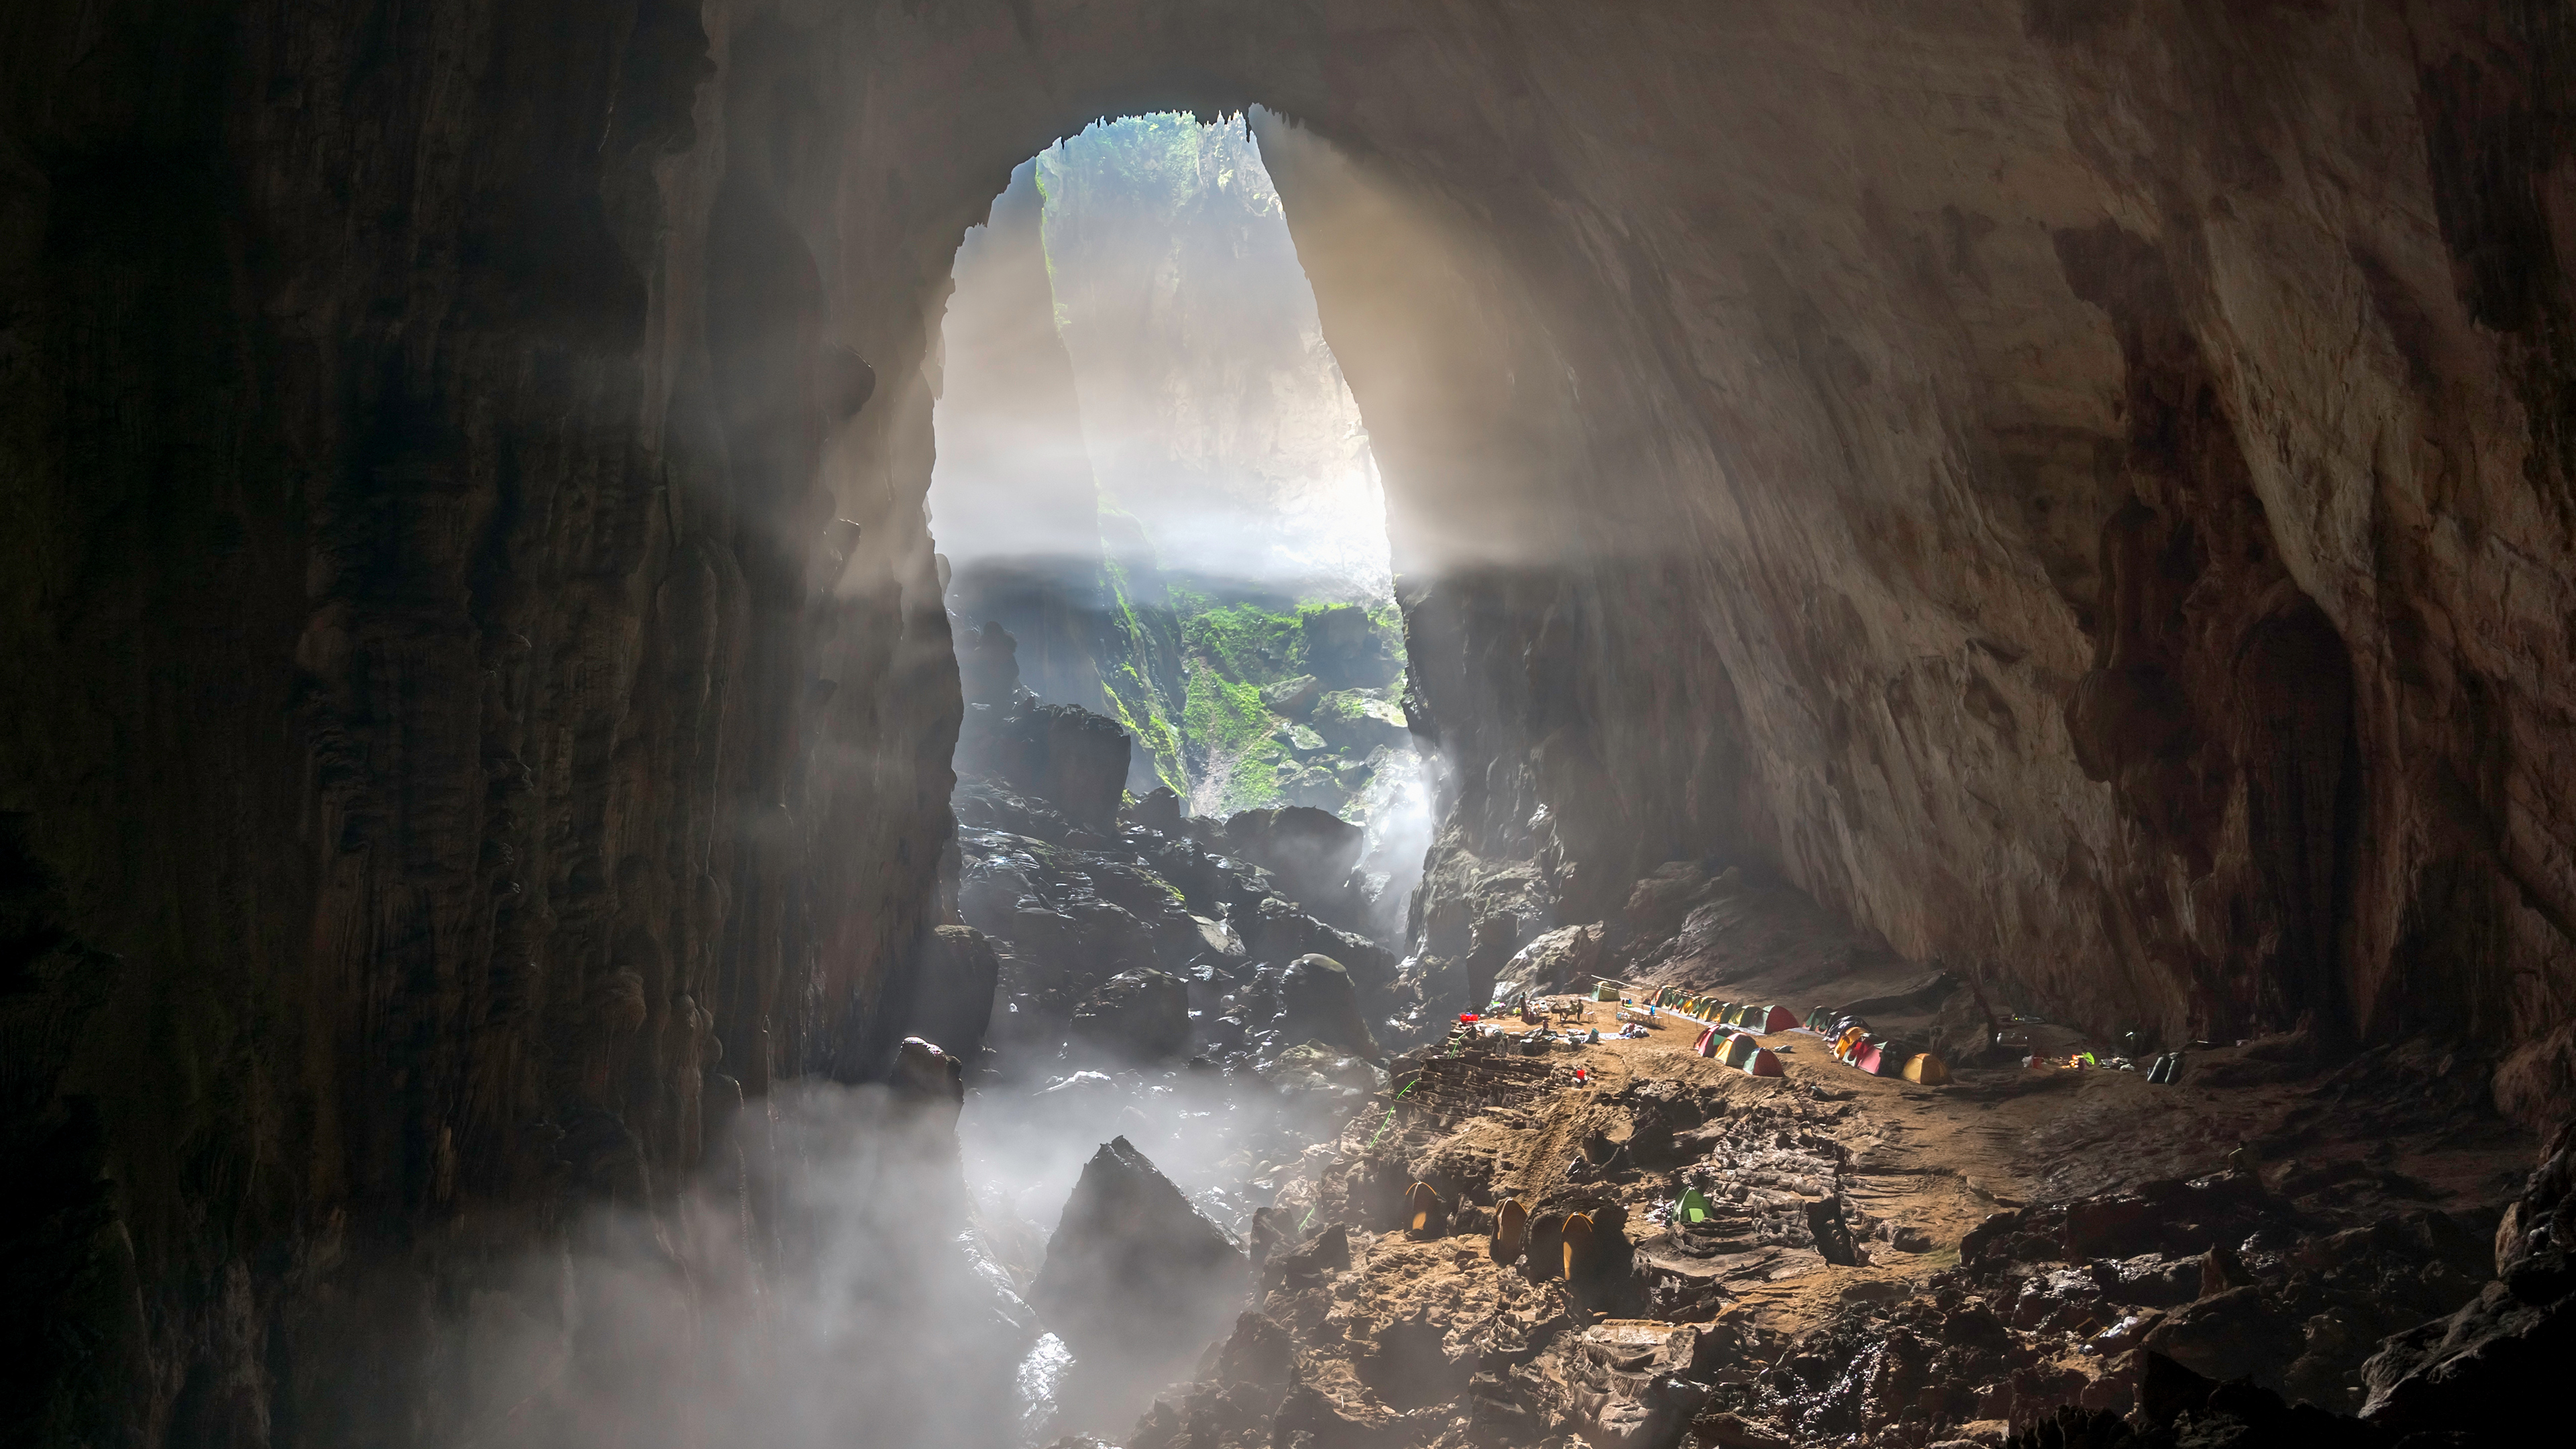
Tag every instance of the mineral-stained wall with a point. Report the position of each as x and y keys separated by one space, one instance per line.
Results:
x=2082 y=486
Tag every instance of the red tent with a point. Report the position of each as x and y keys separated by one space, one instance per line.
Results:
x=1707 y=1044
x=1763 y=1063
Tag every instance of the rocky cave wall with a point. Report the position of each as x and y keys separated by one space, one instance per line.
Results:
x=2080 y=485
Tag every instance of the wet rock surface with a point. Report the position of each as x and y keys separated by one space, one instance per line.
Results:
x=1069 y=910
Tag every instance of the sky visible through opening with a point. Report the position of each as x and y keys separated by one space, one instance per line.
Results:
x=1140 y=277
x=1151 y=473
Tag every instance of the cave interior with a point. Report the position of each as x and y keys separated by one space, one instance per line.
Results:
x=2078 y=496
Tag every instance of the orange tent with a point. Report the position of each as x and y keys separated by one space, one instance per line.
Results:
x=1421 y=1204
x=1511 y=1223
x=1578 y=1244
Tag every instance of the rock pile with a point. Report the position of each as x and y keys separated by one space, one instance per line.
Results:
x=1146 y=947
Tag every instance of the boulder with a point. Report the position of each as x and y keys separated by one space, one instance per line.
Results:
x=1553 y=962
x=952 y=990
x=1133 y=1271
x=1072 y=758
x=1139 y=1016
x=1290 y=698
x=923 y=1073
x=1156 y=809
x=1352 y=719
x=1311 y=851
x=1344 y=643
x=2236 y=1334
x=1317 y=1002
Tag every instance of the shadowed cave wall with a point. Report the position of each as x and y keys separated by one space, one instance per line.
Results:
x=2081 y=486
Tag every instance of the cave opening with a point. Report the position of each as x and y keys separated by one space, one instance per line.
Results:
x=1152 y=475
x=1164 y=553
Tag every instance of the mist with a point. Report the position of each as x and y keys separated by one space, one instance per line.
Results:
x=822 y=1282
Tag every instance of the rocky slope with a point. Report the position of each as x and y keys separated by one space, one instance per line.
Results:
x=2080 y=487
x=1878 y=1263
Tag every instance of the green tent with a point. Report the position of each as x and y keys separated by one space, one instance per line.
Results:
x=1691 y=1208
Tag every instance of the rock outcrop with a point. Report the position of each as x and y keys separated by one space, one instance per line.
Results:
x=2460 y=1370
x=1133 y=1272
x=1072 y=758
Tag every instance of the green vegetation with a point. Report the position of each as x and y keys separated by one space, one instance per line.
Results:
x=1186 y=661
x=1225 y=748
x=1229 y=735
x=1133 y=683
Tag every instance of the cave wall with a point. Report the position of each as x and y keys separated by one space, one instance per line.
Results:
x=2047 y=527
x=2081 y=486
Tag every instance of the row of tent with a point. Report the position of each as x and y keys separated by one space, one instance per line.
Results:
x=1745 y=1015
x=1580 y=1240
x=1855 y=1045
x=1736 y=1023
x=1735 y=1046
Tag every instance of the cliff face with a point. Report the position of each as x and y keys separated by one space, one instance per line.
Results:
x=2082 y=487
x=1013 y=502
x=1215 y=414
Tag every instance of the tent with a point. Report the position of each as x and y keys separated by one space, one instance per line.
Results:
x=1692 y=1208
x=1927 y=1069
x=1740 y=1049
x=1605 y=992
x=1578 y=1244
x=1421 y=1204
x=1707 y=1044
x=1849 y=1043
x=1892 y=1057
x=1511 y=1225
x=1775 y=1019
x=1867 y=1058
x=1761 y=1062
x=1821 y=1020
